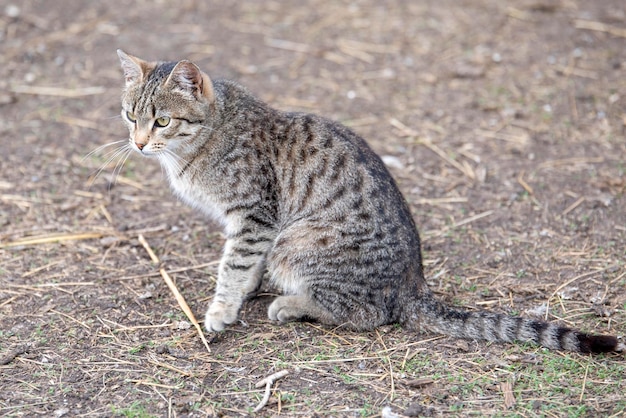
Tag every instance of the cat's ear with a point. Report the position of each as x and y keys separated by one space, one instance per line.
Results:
x=134 y=68
x=187 y=76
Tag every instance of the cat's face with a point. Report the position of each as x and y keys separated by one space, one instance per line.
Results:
x=164 y=105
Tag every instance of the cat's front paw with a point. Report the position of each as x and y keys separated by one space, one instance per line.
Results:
x=219 y=315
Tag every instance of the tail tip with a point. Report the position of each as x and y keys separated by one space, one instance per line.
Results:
x=600 y=344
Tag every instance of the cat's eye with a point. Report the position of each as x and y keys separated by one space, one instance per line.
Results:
x=162 y=122
x=131 y=117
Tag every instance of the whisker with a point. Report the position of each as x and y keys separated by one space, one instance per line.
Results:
x=120 y=165
x=181 y=163
x=119 y=151
x=170 y=159
x=110 y=153
x=101 y=147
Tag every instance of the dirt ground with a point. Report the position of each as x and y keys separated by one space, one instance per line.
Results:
x=503 y=123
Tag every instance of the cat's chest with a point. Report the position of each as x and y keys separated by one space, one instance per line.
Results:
x=195 y=194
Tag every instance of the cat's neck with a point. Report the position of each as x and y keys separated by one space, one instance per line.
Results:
x=187 y=181
x=234 y=121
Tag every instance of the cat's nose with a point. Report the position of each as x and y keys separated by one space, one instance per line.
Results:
x=140 y=145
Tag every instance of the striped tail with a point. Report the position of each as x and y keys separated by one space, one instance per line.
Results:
x=435 y=316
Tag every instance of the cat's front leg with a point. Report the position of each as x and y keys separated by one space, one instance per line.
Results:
x=240 y=273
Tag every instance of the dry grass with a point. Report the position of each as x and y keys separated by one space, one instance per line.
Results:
x=506 y=128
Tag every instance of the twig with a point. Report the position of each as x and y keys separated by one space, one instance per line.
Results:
x=404 y=130
x=83 y=123
x=582 y=390
x=71 y=318
x=409 y=132
x=178 y=270
x=392 y=383
x=287 y=45
x=46 y=239
x=509 y=397
x=599 y=27
x=522 y=182
x=335 y=360
x=57 y=91
x=503 y=136
x=369 y=47
x=430 y=234
x=441 y=200
x=567 y=283
x=154 y=384
x=38 y=269
x=573 y=206
x=148 y=249
x=121 y=327
x=568 y=162
x=466 y=170
x=170 y=283
x=167 y=366
x=268 y=382
x=472 y=219
x=56 y=285
x=6 y=302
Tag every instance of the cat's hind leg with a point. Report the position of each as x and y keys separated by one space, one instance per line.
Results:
x=360 y=317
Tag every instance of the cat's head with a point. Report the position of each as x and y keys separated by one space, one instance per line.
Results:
x=165 y=104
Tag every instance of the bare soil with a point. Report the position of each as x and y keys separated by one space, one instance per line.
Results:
x=503 y=122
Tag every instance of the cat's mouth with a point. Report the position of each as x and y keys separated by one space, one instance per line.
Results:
x=144 y=148
x=141 y=149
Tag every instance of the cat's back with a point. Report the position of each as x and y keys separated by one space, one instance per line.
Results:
x=328 y=166
x=319 y=170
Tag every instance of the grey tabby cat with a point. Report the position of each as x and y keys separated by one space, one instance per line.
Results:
x=305 y=199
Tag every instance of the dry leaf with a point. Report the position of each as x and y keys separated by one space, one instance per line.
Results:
x=507 y=391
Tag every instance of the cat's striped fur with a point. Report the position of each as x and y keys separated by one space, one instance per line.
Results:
x=306 y=200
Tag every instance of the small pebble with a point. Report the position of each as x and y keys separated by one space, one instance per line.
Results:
x=12 y=11
x=393 y=162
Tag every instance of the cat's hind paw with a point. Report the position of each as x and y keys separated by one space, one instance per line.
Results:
x=219 y=315
x=296 y=308
x=283 y=309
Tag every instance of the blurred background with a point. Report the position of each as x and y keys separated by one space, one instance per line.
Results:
x=503 y=122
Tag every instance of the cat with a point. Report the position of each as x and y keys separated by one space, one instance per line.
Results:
x=306 y=201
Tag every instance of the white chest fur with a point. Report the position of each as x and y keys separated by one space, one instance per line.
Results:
x=189 y=189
